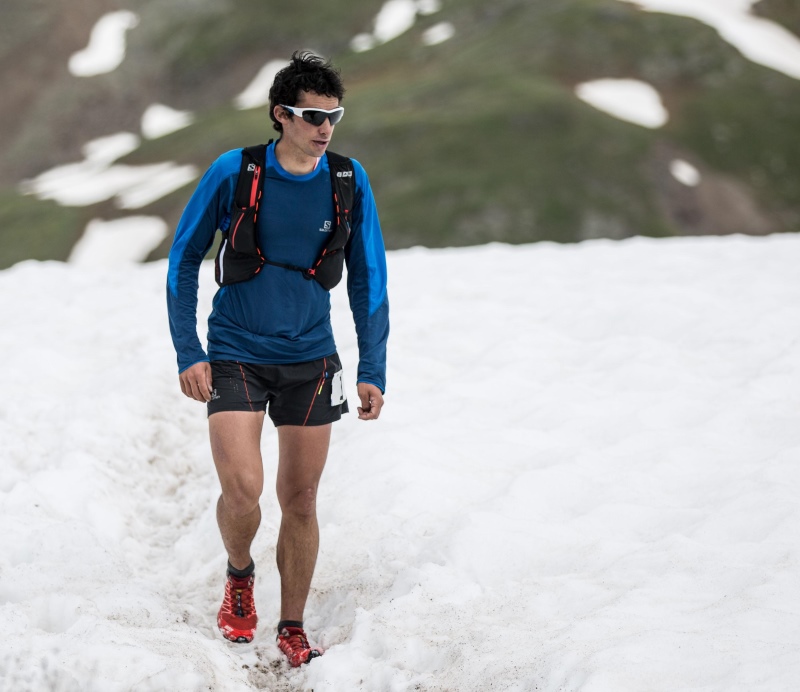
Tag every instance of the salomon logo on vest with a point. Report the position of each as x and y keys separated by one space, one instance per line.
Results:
x=344 y=174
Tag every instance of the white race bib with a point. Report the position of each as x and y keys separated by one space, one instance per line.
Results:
x=338 y=396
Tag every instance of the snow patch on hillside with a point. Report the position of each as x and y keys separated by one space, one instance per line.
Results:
x=97 y=178
x=121 y=241
x=160 y=120
x=684 y=172
x=438 y=33
x=394 y=19
x=106 y=49
x=760 y=40
x=627 y=99
x=256 y=93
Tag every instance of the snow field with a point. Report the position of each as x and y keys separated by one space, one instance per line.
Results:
x=585 y=478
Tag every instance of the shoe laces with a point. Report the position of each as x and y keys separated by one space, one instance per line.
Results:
x=295 y=638
x=241 y=592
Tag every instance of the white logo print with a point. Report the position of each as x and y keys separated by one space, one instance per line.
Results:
x=326 y=227
x=344 y=174
x=251 y=167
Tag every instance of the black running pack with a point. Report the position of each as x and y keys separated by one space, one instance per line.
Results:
x=240 y=258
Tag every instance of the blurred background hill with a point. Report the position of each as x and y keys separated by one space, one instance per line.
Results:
x=467 y=120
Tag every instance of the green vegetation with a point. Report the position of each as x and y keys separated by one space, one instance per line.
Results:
x=786 y=12
x=481 y=138
x=220 y=34
x=31 y=229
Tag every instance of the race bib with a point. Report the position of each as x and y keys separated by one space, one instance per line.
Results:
x=337 y=389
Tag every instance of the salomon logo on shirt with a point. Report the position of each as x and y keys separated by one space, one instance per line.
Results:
x=326 y=227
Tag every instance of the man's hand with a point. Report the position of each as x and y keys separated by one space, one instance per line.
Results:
x=196 y=381
x=371 y=401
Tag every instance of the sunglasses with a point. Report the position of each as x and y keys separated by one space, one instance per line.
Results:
x=316 y=116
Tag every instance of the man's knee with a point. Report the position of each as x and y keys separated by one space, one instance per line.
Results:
x=300 y=503
x=241 y=494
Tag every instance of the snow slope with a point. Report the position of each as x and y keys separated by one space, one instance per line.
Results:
x=585 y=478
x=761 y=40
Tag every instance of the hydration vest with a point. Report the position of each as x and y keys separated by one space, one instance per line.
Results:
x=240 y=258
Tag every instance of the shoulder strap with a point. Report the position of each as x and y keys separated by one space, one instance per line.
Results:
x=246 y=200
x=239 y=258
x=344 y=188
x=251 y=178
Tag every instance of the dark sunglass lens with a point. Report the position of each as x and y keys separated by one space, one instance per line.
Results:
x=336 y=117
x=316 y=118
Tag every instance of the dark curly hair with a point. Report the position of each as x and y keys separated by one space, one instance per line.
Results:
x=305 y=72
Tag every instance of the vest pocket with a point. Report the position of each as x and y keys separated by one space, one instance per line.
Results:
x=242 y=233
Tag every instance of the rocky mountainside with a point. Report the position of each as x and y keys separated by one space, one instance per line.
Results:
x=467 y=121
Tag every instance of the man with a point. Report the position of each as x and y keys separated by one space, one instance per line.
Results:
x=270 y=342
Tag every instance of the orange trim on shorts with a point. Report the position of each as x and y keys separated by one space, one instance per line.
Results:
x=246 y=391
x=317 y=389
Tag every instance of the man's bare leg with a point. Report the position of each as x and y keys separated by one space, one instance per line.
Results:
x=301 y=459
x=236 y=448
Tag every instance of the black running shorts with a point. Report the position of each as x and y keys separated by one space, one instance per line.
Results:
x=297 y=393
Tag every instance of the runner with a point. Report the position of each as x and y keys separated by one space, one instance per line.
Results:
x=270 y=342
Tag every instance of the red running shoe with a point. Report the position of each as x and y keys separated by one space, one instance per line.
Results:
x=292 y=641
x=237 y=619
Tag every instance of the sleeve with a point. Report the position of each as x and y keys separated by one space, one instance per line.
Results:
x=366 y=283
x=204 y=214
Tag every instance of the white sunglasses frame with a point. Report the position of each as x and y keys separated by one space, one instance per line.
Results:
x=299 y=112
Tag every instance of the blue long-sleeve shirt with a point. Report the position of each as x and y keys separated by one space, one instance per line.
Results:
x=279 y=316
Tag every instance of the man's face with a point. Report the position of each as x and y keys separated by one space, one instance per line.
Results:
x=303 y=137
